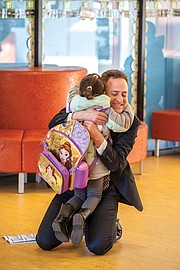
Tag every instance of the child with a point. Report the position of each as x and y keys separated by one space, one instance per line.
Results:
x=91 y=92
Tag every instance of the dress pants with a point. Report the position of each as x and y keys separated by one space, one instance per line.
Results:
x=100 y=230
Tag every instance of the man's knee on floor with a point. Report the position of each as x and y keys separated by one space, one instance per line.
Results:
x=99 y=248
x=43 y=243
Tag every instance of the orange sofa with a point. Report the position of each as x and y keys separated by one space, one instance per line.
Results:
x=29 y=98
x=139 y=151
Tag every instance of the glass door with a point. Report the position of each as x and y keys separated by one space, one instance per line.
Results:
x=97 y=35
x=162 y=60
x=16 y=33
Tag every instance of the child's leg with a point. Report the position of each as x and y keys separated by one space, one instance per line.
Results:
x=60 y=224
x=79 y=197
x=94 y=193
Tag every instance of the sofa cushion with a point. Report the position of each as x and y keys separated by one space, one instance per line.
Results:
x=10 y=149
x=166 y=125
x=31 y=148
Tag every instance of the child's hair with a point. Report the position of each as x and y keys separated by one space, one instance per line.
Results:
x=52 y=169
x=91 y=86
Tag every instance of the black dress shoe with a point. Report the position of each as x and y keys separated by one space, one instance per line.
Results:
x=119 y=230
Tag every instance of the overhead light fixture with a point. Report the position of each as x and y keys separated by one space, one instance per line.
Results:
x=87 y=13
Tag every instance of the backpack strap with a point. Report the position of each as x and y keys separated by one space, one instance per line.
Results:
x=91 y=167
x=44 y=144
x=104 y=109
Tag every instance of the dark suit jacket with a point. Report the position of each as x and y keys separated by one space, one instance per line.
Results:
x=114 y=158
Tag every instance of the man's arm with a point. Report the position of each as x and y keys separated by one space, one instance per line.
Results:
x=114 y=156
x=91 y=114
x=59 y=118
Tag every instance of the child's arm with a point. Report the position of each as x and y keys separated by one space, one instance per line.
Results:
x=120 y=122
x=79 y=103
x=72 y=93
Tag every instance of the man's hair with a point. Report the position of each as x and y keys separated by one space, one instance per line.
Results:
x=113 y=73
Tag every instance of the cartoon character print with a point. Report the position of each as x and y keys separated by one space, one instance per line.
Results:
x=53 y=141
x=50 y=171
x=65 y=155
x=57 y=142
x=41 y=170
x=67 y=127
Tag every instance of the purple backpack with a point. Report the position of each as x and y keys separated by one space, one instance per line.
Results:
x=63 y=164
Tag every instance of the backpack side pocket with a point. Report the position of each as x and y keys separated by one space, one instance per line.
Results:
x=81 y=175
x=53 y=172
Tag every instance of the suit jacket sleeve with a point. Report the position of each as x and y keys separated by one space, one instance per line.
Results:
x=59 y=118
x=115 y=159
x=115 y=154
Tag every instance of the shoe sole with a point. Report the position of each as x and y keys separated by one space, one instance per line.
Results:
x=78 y=229
x=58 y=233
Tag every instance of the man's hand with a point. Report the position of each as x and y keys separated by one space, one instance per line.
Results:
x=94 y=132
x=92 y=114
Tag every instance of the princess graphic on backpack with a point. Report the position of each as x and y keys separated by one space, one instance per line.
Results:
x=50 y=171
x=65 y=155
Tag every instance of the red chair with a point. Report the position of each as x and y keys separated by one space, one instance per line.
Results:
x=165 y=126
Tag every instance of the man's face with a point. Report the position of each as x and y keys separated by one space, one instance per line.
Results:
x=117 y=90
